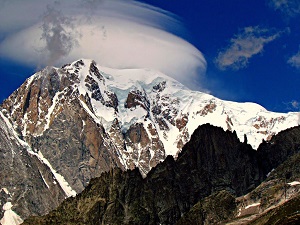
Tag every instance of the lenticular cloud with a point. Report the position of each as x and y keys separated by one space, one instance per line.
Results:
x=117 y=34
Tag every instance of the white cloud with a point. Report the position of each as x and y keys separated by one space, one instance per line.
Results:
x=295 y=60
x=118 y=34
x=243 y=46
x=290 y=8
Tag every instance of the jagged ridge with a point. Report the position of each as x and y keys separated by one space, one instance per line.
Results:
x=212 y=161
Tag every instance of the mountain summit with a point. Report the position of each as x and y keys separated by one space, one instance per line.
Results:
x=83 y=119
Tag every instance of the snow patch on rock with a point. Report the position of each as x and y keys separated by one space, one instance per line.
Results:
x=10 y=217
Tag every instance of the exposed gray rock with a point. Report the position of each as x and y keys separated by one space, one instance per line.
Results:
x=25 y=180
x=77 y=147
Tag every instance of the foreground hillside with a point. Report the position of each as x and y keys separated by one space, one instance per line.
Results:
x=213 y=169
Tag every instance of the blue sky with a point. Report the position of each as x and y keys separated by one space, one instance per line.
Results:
x=236 y=49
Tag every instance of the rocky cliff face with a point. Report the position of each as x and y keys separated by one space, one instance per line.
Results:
x=26 y=181
x=278 y=149
x=83 y=119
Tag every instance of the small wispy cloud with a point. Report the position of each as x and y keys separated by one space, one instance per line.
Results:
x=295 y=60
x=249 y=42
x=293 y=105
x=289 y=8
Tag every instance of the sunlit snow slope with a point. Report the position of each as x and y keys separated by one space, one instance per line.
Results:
x=180 y=109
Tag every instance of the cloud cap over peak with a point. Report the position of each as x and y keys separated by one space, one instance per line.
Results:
x=117 y=34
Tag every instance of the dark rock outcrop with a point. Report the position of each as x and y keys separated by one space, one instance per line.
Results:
x=137 y=98
x=212 y=169
x=286 y=214
x=275 y=197
x=274 y=152
x=212 y=161
x=217 y=207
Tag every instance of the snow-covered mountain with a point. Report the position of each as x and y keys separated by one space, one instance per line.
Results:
x=82 y=119
x=145 y=114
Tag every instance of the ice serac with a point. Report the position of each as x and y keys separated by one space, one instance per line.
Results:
x=85 y=118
